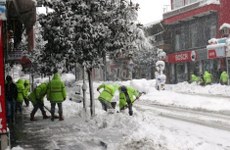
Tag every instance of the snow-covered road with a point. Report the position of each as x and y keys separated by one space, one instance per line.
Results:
x=203 y=117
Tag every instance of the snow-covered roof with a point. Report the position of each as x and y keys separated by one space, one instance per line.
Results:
x=212 y=40
x=208 y=2
x=152 y=23
x=214 y=46
x=225 y=25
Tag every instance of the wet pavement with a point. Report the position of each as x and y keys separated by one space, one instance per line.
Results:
x=27 y=140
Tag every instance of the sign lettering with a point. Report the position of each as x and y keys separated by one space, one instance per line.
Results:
x=218 y=52
x=185 y=56
x=181 y=57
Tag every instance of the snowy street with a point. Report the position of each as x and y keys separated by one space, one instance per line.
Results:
x=211 y=119
x=162 y=120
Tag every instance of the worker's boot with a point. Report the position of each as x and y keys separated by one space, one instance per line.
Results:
x=45 y=116
x=52 y=116
x=32 y=117
x=61 y=117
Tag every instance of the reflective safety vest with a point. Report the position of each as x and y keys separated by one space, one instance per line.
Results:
x=207 y=77
x=56 y=91
x=38 y=93
x=108 y=92
x=132 y=93
x=21 y=91
x=224 y=77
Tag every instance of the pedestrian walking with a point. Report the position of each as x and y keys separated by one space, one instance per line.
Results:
x=56 y=94
x=11 y=94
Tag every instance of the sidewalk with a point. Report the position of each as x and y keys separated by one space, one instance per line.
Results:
x=20 y=135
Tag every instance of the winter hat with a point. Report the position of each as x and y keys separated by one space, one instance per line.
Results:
x=123 y=88
x=8 y=78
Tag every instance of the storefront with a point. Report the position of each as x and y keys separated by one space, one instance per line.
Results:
x=217 y=51
x=182 y=64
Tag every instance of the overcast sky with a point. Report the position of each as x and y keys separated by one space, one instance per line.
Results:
x=151 y=10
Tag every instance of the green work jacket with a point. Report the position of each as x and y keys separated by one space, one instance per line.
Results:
x=56 y=91
x=21 y=91
x=38 y=93
x=132 y=93
x=107 y=93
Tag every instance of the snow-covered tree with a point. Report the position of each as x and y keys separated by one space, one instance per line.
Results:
x=84 y=31
x=39 y=64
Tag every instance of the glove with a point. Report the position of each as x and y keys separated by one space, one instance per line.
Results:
x=97 y=89
x=64 y=99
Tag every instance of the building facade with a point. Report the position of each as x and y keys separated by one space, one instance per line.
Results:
x=187 y=29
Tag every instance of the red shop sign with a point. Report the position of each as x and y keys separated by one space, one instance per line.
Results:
x=216 y=53
x=186 y=56
x=211 y=54
x=3 y=127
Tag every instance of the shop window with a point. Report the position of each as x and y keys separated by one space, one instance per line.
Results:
x=181 y=75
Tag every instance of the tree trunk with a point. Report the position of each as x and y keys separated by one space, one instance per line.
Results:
x=84 y=90
x=92 y=102
x=75 y=69
x=104 y=68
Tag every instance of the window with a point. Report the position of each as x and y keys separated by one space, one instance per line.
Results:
x=193 y=1
x=181 y=72
x=194 y=34
x=177 y=42
x=180 y=3
x=212 y=31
